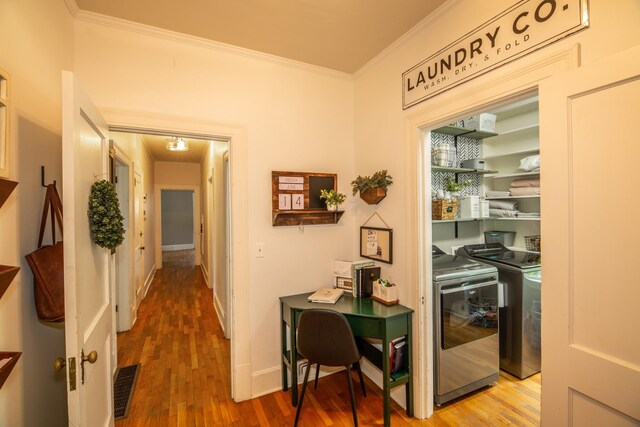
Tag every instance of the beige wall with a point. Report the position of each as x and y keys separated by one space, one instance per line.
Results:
x=296 y=118
x=175 y=173
x=37 y=43
x=132 y=146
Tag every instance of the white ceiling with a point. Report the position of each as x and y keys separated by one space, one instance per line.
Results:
x=341 y=35
x=156 y=145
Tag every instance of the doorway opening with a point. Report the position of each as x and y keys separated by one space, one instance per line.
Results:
x=483 y=181
x=179 y=213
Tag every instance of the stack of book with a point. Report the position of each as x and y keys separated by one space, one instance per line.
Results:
x=397 y=355
x=346 y=275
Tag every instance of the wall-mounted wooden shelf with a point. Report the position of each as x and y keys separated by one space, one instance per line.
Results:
x=6 y=188
x=6 y=369
x=306 y=217
x=295 y=198
x=7 y=273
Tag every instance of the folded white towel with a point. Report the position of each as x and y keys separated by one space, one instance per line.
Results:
x=525 y=182
x=502 y=213
x=503 y=204
x=530 y=163
x=528 y=214
x=492 y=193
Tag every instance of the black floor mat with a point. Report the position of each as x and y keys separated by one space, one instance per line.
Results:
x=123 y=390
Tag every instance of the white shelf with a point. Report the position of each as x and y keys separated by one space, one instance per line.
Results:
x=513 y=153
x=514 y=175
x=512 y=197
x=443 y=221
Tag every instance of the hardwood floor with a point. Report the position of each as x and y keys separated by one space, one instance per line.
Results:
x=184 y=376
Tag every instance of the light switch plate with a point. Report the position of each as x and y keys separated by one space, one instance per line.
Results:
x=260 y=250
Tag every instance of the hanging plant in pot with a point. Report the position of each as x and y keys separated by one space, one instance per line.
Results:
x=372 y=188
x=332 y=198
x=105 y=219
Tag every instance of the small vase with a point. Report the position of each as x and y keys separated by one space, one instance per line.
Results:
x=332 y=207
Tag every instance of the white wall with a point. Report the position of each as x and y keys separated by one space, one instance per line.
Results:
x=37 y=44
x=132 y=146
x=381 y=124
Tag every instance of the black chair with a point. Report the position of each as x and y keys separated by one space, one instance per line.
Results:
x=325 y=338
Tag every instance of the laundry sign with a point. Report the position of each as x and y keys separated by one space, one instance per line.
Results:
x=524 y=27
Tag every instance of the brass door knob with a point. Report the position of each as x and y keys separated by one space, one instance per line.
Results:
x=91 y=357
x=59 y=364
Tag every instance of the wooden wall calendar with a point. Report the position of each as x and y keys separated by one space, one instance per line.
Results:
x=296 y=198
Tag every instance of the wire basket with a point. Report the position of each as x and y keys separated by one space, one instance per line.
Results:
x=444 y=209
x=532 y=243
x=344 y=283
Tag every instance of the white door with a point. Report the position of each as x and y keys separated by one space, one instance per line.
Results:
x=227 y=245
x=139 y=239
x=88 y=269
x=590 y=180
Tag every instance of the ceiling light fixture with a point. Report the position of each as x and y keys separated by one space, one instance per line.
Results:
x=177 y=144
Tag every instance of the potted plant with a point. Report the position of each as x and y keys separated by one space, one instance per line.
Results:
x=372 y=188
x=332 y=198
x=454 y=187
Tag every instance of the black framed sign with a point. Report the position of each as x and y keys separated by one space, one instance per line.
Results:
x=377 y=244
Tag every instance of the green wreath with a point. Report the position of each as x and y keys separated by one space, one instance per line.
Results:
x=105 y=219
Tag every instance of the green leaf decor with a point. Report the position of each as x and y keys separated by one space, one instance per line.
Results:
x=105 y=219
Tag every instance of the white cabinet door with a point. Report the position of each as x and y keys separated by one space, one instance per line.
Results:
x=590 y=336
x=87 y=267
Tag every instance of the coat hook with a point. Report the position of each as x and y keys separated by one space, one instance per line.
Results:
x=42 y=177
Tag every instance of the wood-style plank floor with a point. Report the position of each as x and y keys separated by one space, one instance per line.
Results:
x=184 y=379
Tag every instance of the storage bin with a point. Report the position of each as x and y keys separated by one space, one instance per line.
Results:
x=470 y=207
x=444 y=209
x=532 y=243
x=505 y=238
x=483 y=122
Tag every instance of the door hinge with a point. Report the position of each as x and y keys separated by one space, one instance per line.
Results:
x=116 y=179
x=72 y=373
x=422 y=300
x=116 y=308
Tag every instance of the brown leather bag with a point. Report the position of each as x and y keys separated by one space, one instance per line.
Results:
x=47 y=264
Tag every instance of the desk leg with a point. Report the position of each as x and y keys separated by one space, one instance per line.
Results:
x=386 y=379
x=409 y=385
x=294 y=358
x=283 y=349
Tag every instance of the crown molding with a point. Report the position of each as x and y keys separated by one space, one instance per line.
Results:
x=433 y=16
x=73 y=7
x=148 y=30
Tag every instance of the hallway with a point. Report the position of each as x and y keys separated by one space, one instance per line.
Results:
x=184 y=378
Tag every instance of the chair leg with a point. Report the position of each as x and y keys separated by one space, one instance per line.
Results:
x=353 y=397
x=301 y=399
x=357 y=364
x=317 y=373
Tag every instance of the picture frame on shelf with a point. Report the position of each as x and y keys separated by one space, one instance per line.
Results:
x=376 y=244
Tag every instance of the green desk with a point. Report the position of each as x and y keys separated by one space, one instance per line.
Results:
x=368 y=318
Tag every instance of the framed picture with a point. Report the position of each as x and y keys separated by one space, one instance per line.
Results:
x=376 y=244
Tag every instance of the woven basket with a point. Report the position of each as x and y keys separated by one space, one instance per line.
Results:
x=444 y=209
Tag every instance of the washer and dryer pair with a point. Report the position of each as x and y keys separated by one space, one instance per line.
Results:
x=520 y=276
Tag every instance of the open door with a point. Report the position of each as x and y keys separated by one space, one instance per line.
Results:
x=88 y=269
x=591 y=356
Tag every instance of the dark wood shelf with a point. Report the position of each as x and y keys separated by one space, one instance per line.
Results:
x=469 y=133
x=7 y=274
x=305 y=217
x=6 y=188
x=6 y=369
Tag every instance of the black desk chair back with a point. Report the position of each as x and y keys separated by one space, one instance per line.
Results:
x=325 y=338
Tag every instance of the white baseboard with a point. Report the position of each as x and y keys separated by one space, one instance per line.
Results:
x=375 y=375
x=221 y=313
x=270 y=380
x=205 y=273
x=149 y=279
x=178 y=247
